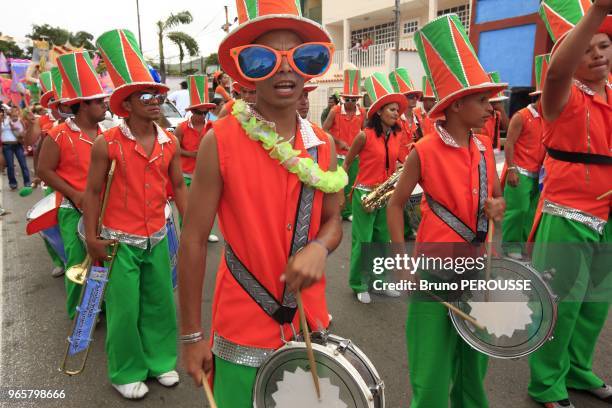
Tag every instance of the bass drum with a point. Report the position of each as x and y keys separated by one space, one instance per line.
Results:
x=347 y=377
x=516 y=322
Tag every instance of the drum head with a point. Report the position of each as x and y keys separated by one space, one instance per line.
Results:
x=81 y=229
x=43 y=206
x=285 y=380
x=516 y=322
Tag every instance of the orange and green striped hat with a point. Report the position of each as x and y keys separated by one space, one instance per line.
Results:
x=560 y=16
x=450 y=62
x=82 y=81
x=59 y=88
x=46 y=87
x=352 y=84
x=541 y=67
x=126 y=66
x=401 y=83
x=427 y=89
x=499 y=97
x=257 y=17
x=381 y=92
x=198 y=92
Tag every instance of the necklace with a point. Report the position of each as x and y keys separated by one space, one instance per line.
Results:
x=309 y=172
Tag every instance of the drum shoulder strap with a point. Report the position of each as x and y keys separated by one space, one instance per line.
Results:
x=577 y=157
x=281 y=312
x=454 y=222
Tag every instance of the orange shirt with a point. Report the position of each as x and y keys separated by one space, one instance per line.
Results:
x=378 y=158
x=428 y=124
x=137 y=197
x=410 y=132
x=46 y=123
x=529 y=150
x=190 y=143
x=449 y=174
x=346 y=127
x=584 y=126
x=492 y=128
x=75 y=154
x=256 y=216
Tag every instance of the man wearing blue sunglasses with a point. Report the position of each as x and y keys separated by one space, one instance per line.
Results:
x=250 y=171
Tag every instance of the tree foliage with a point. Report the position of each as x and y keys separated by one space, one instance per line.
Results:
x=11 y=50
x=184 y=42
x=61 y=36
x=174 y=20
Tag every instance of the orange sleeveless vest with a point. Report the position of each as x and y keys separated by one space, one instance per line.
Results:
x=378 y=159
x=346 y=127
x=190 y=143
x=529 y=150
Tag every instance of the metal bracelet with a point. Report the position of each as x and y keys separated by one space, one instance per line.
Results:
x=188 y=338
x=191 y=341
x=317 y=241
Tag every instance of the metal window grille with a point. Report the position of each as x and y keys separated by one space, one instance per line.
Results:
x=410 y=27
x=463 y=11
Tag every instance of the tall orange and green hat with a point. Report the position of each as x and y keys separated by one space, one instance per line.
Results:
x=380 y=91
x=352 y=84
x=82 y=81
x=402 y=83
x=541 y=67
x=198 y=92
x=451 y=63
x=428 y=92
x=59 y=88
x=46 y=86
x=499 y=97
x=560 y=16
x=257 y=17
x=126 y=66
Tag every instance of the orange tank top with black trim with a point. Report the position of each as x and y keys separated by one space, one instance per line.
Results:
x=378 y=158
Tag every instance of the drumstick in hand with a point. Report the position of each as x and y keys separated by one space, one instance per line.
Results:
x=306 y=331
x=604 y=195
x=208 y=391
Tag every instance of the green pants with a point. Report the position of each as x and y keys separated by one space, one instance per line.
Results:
x=440 y=362
x=366 y=227
x=140 y=314
x=521 y=203
x=68 y=219
x=57 y=261
x=352 y=173
x=188 y=184
x=566 y=361
x=233 y=384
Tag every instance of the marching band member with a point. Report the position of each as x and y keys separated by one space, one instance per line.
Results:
x=428 y=100
x=242 y=151
x=245 y=93
x=456 y=170
x=303 y=106
x=190 y=132
x=344 y=122
x=140 y=311
x=577 y=117
x=378 y=148
x=221 y=84
x=524 y=156
x=498 y=118
x=410 y=120
x=65 y=155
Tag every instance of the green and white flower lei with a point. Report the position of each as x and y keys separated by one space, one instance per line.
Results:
x=305 y=168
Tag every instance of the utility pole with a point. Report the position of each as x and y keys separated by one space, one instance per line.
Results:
x=397 y=32
x=226 y=26
x=138 y=16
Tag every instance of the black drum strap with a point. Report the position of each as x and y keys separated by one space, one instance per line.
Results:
x=575 y=157
x=281 y=312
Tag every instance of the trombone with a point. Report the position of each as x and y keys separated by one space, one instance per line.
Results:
x=92 y=295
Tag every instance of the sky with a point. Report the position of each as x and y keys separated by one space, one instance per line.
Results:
x=96 y=17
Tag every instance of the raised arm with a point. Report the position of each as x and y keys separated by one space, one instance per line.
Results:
x=568 y=57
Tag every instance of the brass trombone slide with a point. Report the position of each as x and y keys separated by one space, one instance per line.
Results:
x=89 y=305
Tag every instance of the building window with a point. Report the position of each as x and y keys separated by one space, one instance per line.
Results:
x=379 y=34
x=462 y=11
x=411 y=26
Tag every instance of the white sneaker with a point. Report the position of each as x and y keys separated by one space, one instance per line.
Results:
x=350 y=218
x=515 y=255
x=169 y=379
x=330 y=317
x=213 y=238
x=132 y=391
x=57 y=272
x=364 y=297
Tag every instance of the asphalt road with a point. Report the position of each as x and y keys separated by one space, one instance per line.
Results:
x=35 y=326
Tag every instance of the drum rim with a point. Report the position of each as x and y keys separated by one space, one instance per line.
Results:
x=295 y=345
x=458 y=322
x=363 y=357
x=51 y=197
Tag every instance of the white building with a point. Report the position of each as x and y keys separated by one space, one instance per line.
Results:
x=351 y=22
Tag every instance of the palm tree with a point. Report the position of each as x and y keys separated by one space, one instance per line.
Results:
x=183 y=17
x=184 y=42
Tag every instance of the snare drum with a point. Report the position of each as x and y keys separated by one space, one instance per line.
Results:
x=413 y=207
x=516 y=322
x=42 y=209
x=347 y=377
x=173 y=242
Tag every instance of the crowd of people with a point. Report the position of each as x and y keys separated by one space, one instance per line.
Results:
x=281 y=186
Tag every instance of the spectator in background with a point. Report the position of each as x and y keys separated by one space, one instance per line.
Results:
x=180 y=98
x=222 y=85
x=331 y=102
x=12 y=137
x=356 y=44
x=213 y=114
x=366 y=43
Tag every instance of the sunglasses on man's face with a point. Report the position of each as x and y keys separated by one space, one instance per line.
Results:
x=199 y=112
x=259 y=62
x=152 y=99
x=351 y=100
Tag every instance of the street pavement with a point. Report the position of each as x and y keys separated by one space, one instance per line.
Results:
x=35 y=327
